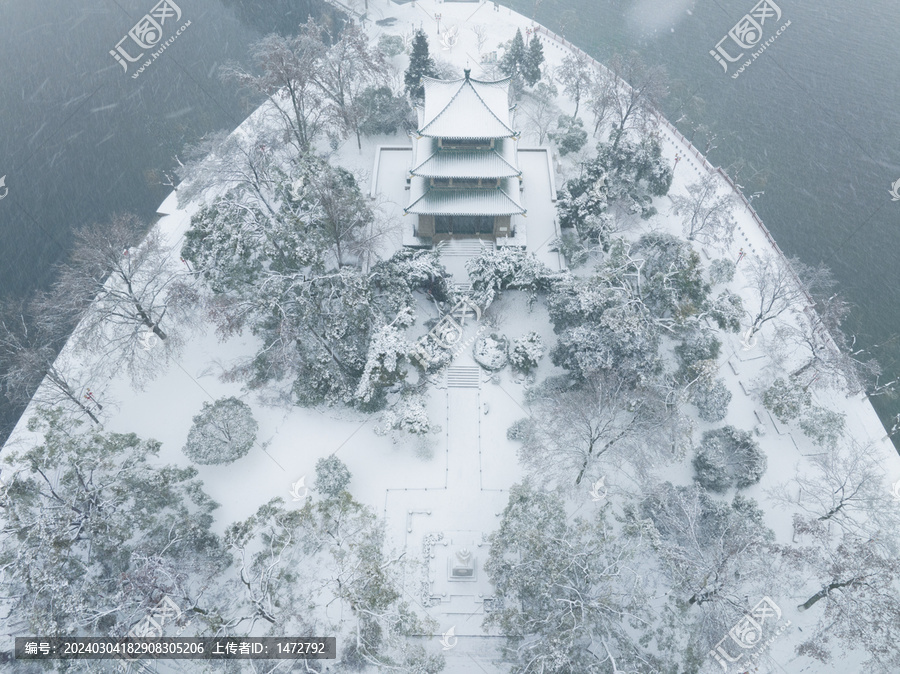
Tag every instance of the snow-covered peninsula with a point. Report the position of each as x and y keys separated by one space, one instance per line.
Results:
x=456 y=351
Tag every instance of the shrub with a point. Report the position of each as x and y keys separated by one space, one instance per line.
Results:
x=391 y=45
x=822 y=426
x=570 y=136
x=712 y=400
x=728 y=457
x=526 y=352
x=786 y=400
x=491 y=351
x=332 y=476
x=223 y=432
x=721 y=271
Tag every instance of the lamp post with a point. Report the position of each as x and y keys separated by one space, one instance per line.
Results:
x=437 y=17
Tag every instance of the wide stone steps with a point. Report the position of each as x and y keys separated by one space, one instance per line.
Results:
x=463 y=377
x=464 y=247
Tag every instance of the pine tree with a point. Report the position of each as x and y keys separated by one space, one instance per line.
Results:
x=420 y=65
x=513 y=62
x=534 y=57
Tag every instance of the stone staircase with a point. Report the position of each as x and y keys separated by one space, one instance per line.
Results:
x=463 y=247
x=463 y=377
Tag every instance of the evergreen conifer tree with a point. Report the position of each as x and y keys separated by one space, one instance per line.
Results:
x=534 y=57
x=514 y=59
x=420 y=65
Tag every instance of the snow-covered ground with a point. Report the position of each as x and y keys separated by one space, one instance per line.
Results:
x=445 y=497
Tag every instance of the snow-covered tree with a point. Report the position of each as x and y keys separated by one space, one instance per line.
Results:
x=118 y=284
x=513 y=62
x=408 y=416
x=286 y=69
x=707 y=213
x=726 y=309
x=728 y=457
x=331 y=552
x=778 y=288
x=856 y=602
x=384 y=113
x=32 y=369
x=633 y=94
x=696 y=350
x=526 y=351
x=569 y=589
x=491 y=351
x=494 y=271
x=569 y=136
x=721 y=270
x=822 y=425
x=332 y=476
x=601 y=329
x=714 y=554
x=712 y=399
x=572 y=430
x=222 y=432
x=576 y=75
x=844 y=486
x=421 y=64
x=622 y=179
x=829 y=359
x=786 y=399
x=540 y=109
x=390 y=45
x=385 y=363
x=534 y=57
x=95 y=532
x=348 y=66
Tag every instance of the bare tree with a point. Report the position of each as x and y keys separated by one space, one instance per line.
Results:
x=572 y=429
x=858 y=577
x=715 y=555
x=481 y=36
x=828 y=355
x=576 y=75
x=31 y=367
x=346 y=68
x=707 y=213
x=287 y=68
x=600 y=100
x=539 y=108
x=634 y=93
x=777 y=287
x=845 y=486
x=119 y=289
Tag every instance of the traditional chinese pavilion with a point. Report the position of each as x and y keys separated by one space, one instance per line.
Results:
x=465 y=180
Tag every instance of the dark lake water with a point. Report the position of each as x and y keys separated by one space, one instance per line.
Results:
x=814 y=123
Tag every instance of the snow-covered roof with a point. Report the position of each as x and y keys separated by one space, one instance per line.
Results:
x=466 y=164
x=475 y=201
x=466 y=108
